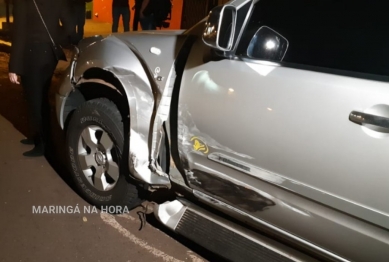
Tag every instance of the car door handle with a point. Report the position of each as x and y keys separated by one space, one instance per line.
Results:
x=363 y=118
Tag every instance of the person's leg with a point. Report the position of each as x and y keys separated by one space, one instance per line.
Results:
x=126 y=14
x=135 y=22
x=81 y=10
x=148 y=23
x=145 y=23
x=153 y=25
x=31 y=86
x=75 y=19
x=36 y=84
x=115 y=18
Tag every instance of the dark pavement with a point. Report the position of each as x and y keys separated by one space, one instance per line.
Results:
x=29 y=182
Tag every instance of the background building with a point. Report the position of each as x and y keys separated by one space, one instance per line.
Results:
x=185 y=13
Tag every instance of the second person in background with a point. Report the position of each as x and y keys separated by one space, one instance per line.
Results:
x=121 y=8
x=146 y=15
x=136 y=8
x=79 y=14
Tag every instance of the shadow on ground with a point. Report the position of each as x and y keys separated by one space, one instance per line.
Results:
x=13 y=108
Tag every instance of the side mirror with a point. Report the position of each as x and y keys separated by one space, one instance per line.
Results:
x=220 y=28
x=267 y=44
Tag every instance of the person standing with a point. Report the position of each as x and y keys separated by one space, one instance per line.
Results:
x=146 y=15
x=33 y=59
x=120 y=8
x=79 y=14
x=136 y=8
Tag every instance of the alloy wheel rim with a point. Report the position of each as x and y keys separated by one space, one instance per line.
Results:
x=98 y=158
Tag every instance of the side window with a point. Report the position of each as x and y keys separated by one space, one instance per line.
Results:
x=337 y=34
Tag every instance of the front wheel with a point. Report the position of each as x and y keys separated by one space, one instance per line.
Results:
x=95 y=144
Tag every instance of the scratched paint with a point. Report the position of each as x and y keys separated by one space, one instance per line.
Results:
x=188 y=129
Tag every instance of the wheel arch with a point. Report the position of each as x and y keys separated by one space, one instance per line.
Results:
x=114 y=64
x=118 y=188
x=96 y=83
x=134 y=98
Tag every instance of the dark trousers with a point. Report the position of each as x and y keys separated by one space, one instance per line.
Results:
x=79 y=16
x=118 y=11
x=40 y=64
x=148 y=23
x=136 y=20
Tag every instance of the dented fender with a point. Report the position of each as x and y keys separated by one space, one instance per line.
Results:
x=144 y=88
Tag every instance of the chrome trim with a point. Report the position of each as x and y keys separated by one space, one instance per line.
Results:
x=60 y=102
x=170 y=213
x=214 y=201
x=231 y=162
x=73 y=64
x=245 y=22
x=73 y=81
x=262 y=240
x=257 y=61
x=369 y=119
x=231 y=41
x=228 y=48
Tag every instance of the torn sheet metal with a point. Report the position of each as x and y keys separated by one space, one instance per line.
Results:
x=162 y=114
x=141 y=102
x=161 y=66
x=237 y=194
x=148 y=81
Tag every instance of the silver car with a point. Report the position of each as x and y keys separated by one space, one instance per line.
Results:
x=268 y=119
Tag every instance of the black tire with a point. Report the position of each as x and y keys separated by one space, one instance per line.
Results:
x=104 y=114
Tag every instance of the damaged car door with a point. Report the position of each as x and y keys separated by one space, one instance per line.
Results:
x=290 y=125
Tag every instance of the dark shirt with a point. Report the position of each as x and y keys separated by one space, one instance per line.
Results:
x=120 y=3
x=28 y=27
x=36 y=32
x=138 y=4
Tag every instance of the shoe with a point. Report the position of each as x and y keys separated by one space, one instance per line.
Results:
x=37 y=151
x=27 y=141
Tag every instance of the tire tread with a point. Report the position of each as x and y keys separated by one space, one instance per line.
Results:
x=130 y=198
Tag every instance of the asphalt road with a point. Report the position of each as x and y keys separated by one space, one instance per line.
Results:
x=29 y=183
